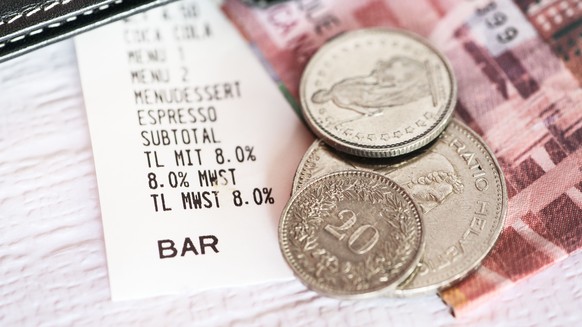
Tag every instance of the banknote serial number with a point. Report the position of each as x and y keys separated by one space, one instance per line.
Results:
x=498 y=21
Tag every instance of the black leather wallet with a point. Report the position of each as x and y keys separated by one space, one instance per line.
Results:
x=26 y=25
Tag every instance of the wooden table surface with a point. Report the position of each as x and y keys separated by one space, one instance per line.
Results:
x=53 y=269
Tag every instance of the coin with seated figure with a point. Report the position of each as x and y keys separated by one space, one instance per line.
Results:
x=377 y=93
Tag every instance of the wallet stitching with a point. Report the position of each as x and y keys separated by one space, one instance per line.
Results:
x=53 y=25
x=27 y=12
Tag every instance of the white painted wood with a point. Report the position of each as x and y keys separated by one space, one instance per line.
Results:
x=52 y=257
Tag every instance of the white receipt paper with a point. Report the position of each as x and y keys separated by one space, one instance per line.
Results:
x=195 y=149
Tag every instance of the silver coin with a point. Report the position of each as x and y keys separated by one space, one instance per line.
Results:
x=457 y=183
x=351 y=234
x=377 y=93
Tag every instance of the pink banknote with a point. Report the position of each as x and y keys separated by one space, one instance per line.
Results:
x=518 y=65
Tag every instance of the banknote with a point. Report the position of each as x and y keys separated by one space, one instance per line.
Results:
x=287 y=34
x=518 y=65
x=524 y=100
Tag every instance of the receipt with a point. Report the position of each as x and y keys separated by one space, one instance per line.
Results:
x=195 y=149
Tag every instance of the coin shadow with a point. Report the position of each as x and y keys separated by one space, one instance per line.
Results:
x=301 y=138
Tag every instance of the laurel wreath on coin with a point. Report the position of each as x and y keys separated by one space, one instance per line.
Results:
x=383 y=263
